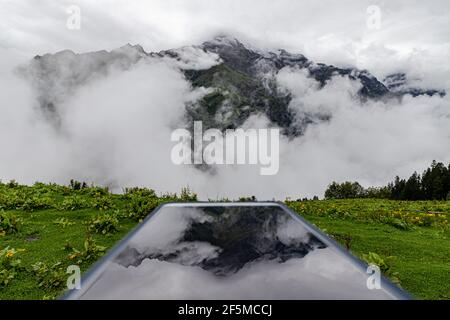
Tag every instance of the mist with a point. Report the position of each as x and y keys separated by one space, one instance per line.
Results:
x=114 y=123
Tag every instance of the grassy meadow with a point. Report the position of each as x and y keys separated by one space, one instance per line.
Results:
x=46 y=227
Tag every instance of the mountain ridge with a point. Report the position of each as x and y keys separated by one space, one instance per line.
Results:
x=241 y=80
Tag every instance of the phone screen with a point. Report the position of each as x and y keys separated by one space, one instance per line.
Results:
x=230 y=251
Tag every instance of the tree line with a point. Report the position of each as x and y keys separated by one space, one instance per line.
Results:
x=432 y=184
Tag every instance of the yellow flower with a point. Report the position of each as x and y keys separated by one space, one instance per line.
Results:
x=9 y=253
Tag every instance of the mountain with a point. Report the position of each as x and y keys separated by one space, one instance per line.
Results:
x=400 y=84
x=241 y=80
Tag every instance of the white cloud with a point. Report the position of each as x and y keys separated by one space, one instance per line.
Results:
x=117 y=127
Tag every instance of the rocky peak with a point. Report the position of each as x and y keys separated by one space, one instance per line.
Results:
x=242 y=79
x=399 y=84
x=233 y=52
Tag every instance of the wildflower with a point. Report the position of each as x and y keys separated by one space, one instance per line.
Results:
x=72 y=256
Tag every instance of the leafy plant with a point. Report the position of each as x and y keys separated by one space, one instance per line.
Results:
x=91 y=251
x=104 y=224
x=94 y=191
x=49 y=277
x=73 y=203
x=63 y=222
x=103 y=203
x=9 y=223
x=247 y=199
x=140 y=192
x=37 y=203
x=139 y=207
x=9 y=264
x=384 y=263
x=187 y=195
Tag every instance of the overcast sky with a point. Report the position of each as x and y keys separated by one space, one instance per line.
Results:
x=327 y=31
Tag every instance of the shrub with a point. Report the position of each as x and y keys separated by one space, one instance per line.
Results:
x=95 y=191
x=53 y=277
x=10 y=201
x=104 y=224
x=187 y=195
x=90 y=252
x=384 y=263
x=9 y=223
x=103 y=203
x=141 y=192
x=9 y=265
x=247 y=199
x=37 y=203
x=139 y=207
x=73 y=203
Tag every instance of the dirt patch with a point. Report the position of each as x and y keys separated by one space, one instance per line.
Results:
x=32 y=237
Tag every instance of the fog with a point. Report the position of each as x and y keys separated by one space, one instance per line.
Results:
x=113 y=126
x=114 y=129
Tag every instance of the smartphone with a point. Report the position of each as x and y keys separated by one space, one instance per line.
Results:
x=235 y=250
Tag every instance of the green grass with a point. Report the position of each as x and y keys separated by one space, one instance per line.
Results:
x=44 y=241
x=421 y=255
x=415 y=234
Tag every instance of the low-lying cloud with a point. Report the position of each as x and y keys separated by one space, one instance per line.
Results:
x=114 y=129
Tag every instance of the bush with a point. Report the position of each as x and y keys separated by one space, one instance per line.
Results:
x=140 y=192
x=37 y=203
x=104 y=224
x=9 y=265
x=139 y=207
x=187 y=195
x=9 y=223
x=10 y=201
x=73 y=203
x=103 y=203
x=90 y=252
x=247 y=199
x=53 y=277
x=384 y=263
x=95 y=191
